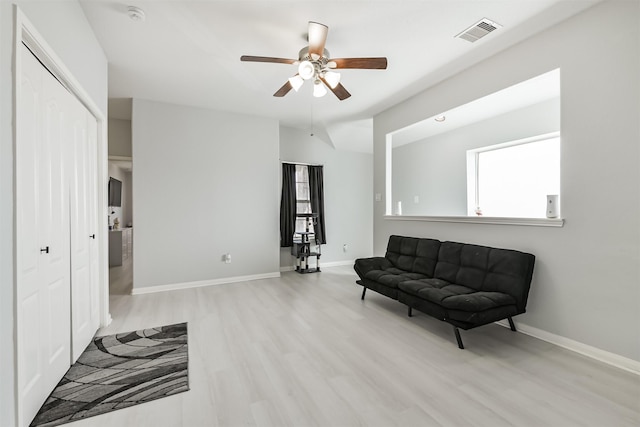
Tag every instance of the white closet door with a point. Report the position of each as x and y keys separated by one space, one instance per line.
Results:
x=84 y=317
x=43 y=292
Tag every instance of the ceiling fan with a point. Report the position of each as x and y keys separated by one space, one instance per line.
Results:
x=315 y=64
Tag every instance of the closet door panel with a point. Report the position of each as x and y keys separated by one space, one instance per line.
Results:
x=58 y=351
x=28 y=158
x=54 y=224
x=43 y=291
x=81 y=277
x=27 y=178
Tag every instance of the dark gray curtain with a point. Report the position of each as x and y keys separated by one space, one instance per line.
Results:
x=288 y=205
x=316 y=188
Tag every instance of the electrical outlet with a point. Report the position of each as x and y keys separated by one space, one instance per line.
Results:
x=416 y=199
x=378 y=197
x=345 y=247
x=226 y=258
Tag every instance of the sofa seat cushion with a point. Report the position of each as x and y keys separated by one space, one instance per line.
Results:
x=392 y=276
x=455 y=297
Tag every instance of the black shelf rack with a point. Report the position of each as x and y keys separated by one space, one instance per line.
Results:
x=306 y=245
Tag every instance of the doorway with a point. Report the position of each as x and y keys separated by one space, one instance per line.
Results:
x=120 y=220
x=120 y=217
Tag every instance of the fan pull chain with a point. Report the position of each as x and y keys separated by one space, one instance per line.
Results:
x=311 y=134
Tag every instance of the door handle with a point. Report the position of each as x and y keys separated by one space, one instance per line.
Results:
x=93 y=236
x=45 y=250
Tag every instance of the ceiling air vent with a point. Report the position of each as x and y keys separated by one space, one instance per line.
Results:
x=478 y=30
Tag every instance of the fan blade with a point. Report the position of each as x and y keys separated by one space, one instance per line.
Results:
x=317 y=38
x=249 y=58
x=338 y=91
x=362 y=63
x=283 y=90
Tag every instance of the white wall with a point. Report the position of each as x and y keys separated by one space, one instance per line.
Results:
x=64 y=26
x=347 y=192
x=119 y=137
x=435 y=168
x=205 y=183
x=586 y=283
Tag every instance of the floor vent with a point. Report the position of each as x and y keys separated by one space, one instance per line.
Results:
x=478 y=30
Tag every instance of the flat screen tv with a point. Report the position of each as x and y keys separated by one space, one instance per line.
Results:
x=115 y=192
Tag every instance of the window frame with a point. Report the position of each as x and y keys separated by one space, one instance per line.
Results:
x=302 y=223
x=473 y=170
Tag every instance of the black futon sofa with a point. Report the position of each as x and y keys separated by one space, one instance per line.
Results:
x=462 y=284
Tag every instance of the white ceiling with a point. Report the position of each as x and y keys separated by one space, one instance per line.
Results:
x=188 y=52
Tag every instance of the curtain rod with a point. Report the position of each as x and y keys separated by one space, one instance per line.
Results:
x=301 y=163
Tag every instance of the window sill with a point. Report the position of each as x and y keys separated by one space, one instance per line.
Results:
x=535 y=222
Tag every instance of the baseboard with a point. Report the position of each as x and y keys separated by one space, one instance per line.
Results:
x=609 y=358
x=337 y=263
x=322 y=265
x=202 y=283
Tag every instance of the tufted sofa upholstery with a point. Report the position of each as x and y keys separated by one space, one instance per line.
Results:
x=462 y=284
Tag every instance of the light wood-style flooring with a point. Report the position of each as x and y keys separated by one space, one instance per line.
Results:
x=304 y=350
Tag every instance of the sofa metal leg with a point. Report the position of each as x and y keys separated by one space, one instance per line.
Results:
x=409 y=312
x=364 y=290
x=457 y=332
x=511 y=325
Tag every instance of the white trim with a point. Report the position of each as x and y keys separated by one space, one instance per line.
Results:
x=337 y=263
x=472 y=182
x=323 y=265
x=537 y=222
x=388 y=166
x=121 y=158
x=201 y=283
x=17 y=326
x=603 y=356
x=300 y=163
x=528 y=140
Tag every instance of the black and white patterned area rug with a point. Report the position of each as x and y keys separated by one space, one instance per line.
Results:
x=118 y=371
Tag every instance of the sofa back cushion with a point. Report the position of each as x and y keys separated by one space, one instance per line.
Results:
x=413 y=254
x=486 y=269
x=510 y=272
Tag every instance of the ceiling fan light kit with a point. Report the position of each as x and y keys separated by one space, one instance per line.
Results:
x=318 y=89
x=314 y=63
x=332 y=78
x=306 y=70
x=296 y=82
